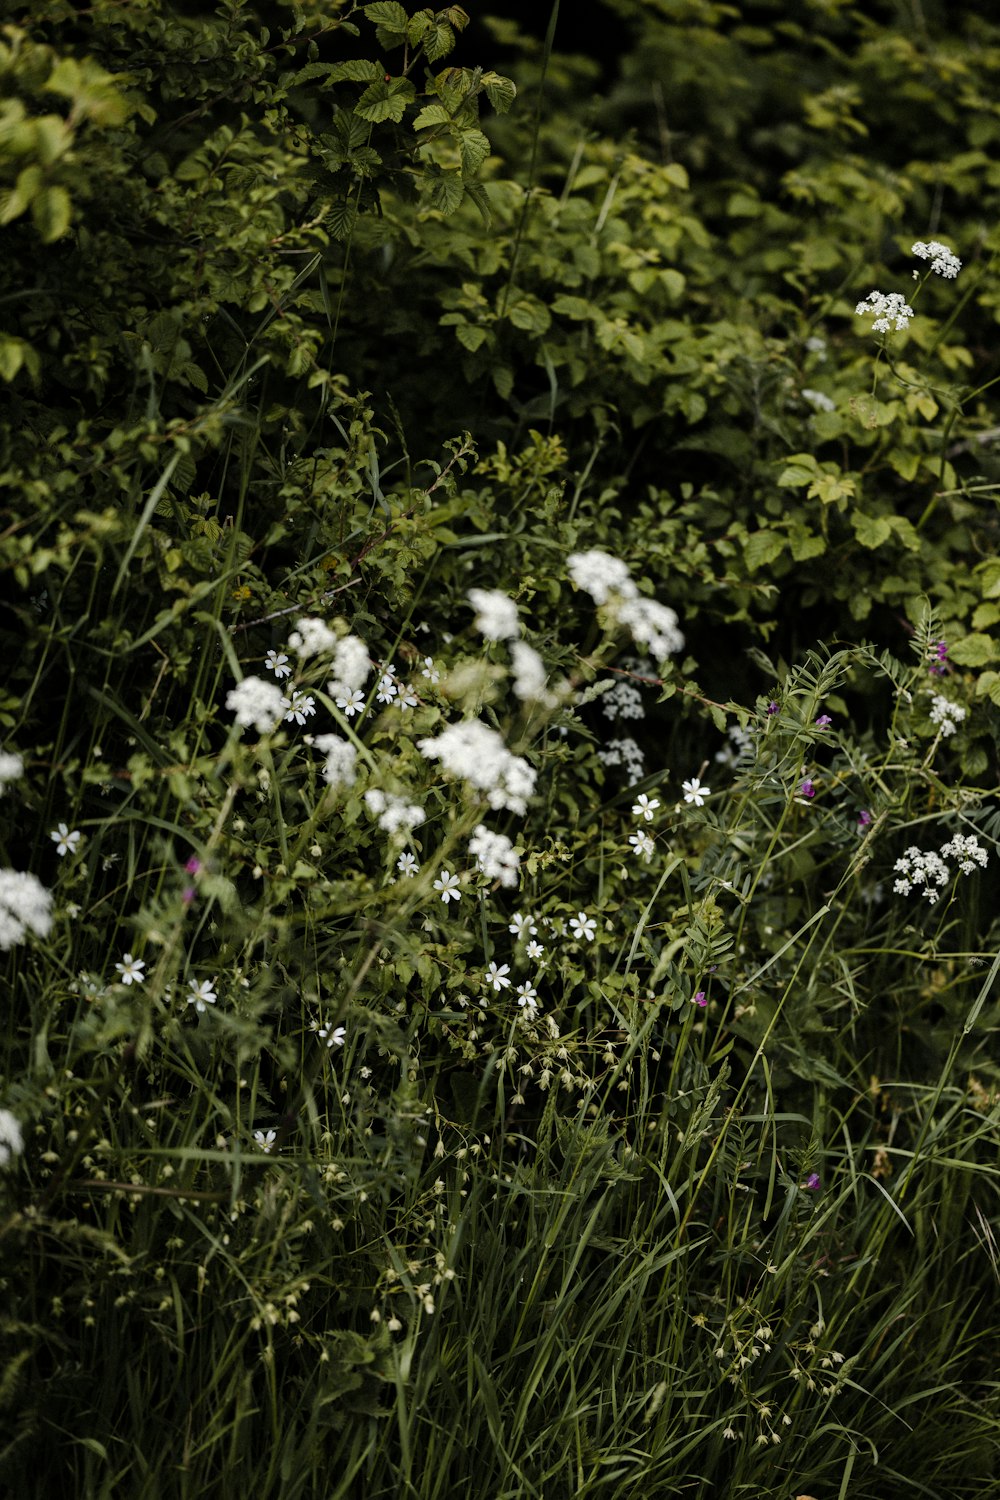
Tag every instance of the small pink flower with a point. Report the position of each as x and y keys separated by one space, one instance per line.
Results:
x=864 y=818
x=772 y=707
x=193 y=865
x=700 y=999
x=823 y=721
x=812 y=1182
x=807 y=788
x=188 y=894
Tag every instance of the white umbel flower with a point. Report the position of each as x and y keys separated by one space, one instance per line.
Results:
x=944 y=262
x=11 y=1140
x=312 y=637
x=495 y=855
x=25 y=906
x=600 y=575
x=11 y=769
x=341 y=757
x=496 y=615
x=477 y=754
x=257 y=704
x=351 y=666
x=888 y=308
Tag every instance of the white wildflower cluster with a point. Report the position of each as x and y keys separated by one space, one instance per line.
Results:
x=495 y=855
x=928 y=871
x=312 y=637
x=947 y=716
x=496 y=614
x=944 y=262
x=529 y=676
x=624 y=752
x=11 y=1142
x=888 y=308
x=11 y=769
x=341 y=757
x=257 y=704
x=652 y=625
x=351 y=667
x=740 y=745
x=623 y=701
x=394 y=813
x=475 y=753
x=25 y=906
x=818 y=400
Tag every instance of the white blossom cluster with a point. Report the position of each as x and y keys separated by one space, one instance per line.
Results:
x=652 y=625
x=624 y=752
x=473 y=752
x=495 y=855
x=256 y=703
x=929 y=871
x=947 y=716
x=623 y=701
x=11 y=1141
x=25 y=906
x=312 y=637
x=11 y=768
x=394 y=813
x=340 y=759
x=888 y=307
x=529 y=676
x=944 y=262
x=496 y=615
x=351 y=667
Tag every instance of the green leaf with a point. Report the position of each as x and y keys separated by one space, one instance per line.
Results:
x=801 y=469
x=501 y=92
x=353 y=71
x=470 y=337
x=387 y=14
x=385 y=101
x=439 y=41
x=974 y=651
x=51 y=212
x=762 y=547
x=871 y=531
x=475 y=148
x=446 y=192
x=431 y=115
x=531 y=315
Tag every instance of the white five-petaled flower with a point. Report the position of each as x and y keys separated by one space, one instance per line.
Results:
x=535 y=949
x=300 y=706
x=695 y=792
x=944 y=262
x=522 y=924
x=265 y=1138
x=407 y=697
x=527 y=995
x=496 y=975
x=277 y=662
x=333 y=1036
x=387 y=689
x=351 y=703
x=201 y=993
x=406 y=864
x=130 y=969
x=642 y=844
x=582 y=926
x=888 y=307
x=65 y=841
x=447 y=884
x=430 y=671
x=644 y=808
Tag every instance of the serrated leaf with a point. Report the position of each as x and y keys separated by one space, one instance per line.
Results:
x=477 y=193
x=51 y=212
x=871 y=531
x=384 y=101
x=439 y=41
x=354 y=71
x=341 y=219
x=446 y=192
x=800 y=470
x=418 y=26
x=974 y=651
x=762 y=547
x=388 y=15
x=501 y=92
x=431 y=115
x=475 y=148
x=470 y=337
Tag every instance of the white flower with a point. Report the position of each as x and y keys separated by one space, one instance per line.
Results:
x=351 y=667
x=447 y=884
x=946 y=715
x=299 y=707
x=312 y=637
x=130 y=969
x=341 y=757
x=600 y=575
x=623 y=701
x=522 y=924
x=265 y=1138
x=407 y=865
x=582 y=926
x=624 y=752
x=407 y=697
x=65 y=841
x=256 y=702
x=695 y=792
x=497 y=977
x=351 y=703
x=430 y=671
x=11 y=1141
x=387 y=689
x=478 y=755
x=644 y=808
x=944 y=262
x=916 y=868
x=818 y=400
x=277 y=662
x=495 y=855
x=11 y=768
x=888 y=307
x=25 y=905
x=394 y=813
x=496 y=614
x=652 y=625
x=642 y=844
x=529 y=675
x=333 y=1036
x=527 y=995
x=967 y=849
x=201 y=994
x=535 y=949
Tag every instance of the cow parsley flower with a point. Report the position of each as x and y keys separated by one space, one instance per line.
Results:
x=65 y=842
x=477 y=754
x=623 y=701
x=944 y=262
x=967 y=849
x=351 y=667
x=11 y=1140
x=600 y=575
x=341 y=758
x=624 y=752
x=312 y=637
x=888 y=308
x=947 y=716
x=495 y=855
x=652 y=625
x=529 y=675
x=256 y=703
x=11 y=769
x=393 y=812
x=918 y=869
x=496 y=615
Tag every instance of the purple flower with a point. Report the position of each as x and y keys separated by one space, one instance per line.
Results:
x=700 y=999
x=941 y=653
x=812 y=1182
x=823 y=721
x=188 y=894
x=772 y=707
x=807 y=788
x=864 y=818
x=193 y=865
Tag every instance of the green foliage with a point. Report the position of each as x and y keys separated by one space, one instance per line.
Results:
x=655 y=1153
